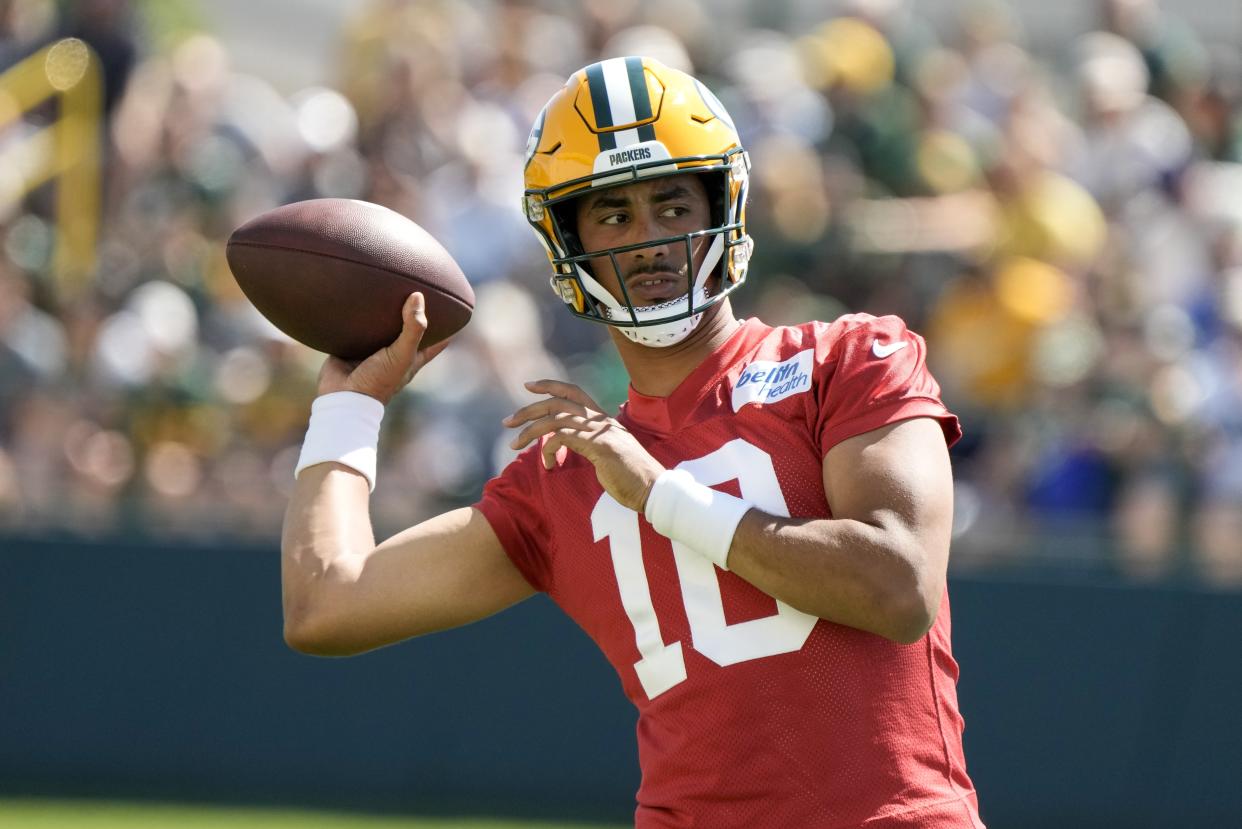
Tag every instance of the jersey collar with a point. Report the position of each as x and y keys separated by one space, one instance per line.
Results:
x=667 y=414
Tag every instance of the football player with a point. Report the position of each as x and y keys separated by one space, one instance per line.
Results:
x=757 y=540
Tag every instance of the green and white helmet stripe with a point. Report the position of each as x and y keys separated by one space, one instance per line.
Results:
x=619 y=95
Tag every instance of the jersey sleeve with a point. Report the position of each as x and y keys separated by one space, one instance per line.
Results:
x=513 y=504
x=875 y=373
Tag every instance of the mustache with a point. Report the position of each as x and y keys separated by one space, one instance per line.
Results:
x=648 y=269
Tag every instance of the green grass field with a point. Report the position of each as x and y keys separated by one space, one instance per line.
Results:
x=90 y=814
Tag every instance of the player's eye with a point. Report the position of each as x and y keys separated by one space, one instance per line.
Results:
x=613 y=219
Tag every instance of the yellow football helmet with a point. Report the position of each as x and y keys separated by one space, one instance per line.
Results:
x=615 y=122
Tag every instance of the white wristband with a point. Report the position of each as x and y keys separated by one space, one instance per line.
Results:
x=698 y=516
x=344 y=428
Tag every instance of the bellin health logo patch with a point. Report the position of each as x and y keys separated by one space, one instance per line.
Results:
x=764 y=381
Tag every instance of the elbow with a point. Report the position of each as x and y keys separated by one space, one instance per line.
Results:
x=301 y=640
x=318 y=611
x=306 y=634
x=911 y=600
x=911 y=614
x=910 y=627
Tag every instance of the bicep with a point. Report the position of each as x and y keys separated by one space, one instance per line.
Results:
x=444 y=572
x=897 y=478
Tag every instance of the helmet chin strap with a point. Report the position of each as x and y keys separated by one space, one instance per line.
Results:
x=660 y=335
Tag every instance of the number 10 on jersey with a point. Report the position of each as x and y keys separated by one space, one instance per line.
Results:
x=663 y=665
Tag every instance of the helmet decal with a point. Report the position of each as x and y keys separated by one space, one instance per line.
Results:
x=624 y=160
x=536 y=132
x=713 y=103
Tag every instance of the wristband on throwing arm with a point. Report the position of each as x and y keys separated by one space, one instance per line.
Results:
x=698 y=516
x=344 y=428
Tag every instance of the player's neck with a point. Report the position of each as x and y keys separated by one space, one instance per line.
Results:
x=658 y=371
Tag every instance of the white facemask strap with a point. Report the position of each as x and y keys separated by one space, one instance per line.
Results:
x=597 y=290
x=709 y=261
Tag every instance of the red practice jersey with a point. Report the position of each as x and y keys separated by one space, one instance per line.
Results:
x=751 y=713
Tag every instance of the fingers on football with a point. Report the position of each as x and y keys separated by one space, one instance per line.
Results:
x=559 y=388
x=557 y=421
x=413 y=324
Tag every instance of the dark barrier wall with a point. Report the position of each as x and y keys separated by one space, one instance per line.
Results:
x=142 y=671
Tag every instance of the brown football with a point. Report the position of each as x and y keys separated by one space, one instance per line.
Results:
x=334 y=273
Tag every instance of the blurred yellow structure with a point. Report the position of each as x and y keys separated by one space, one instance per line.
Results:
x=68 y=151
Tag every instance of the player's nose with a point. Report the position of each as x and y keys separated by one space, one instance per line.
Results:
x=647 y=228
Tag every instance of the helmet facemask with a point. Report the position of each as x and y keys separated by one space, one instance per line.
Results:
x=669 y=322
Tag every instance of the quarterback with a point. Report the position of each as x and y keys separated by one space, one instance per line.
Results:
x=757 y=540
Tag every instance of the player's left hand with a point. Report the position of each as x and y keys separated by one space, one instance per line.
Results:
x=624 y=468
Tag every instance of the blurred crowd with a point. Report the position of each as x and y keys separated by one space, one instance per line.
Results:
x=1063 y=222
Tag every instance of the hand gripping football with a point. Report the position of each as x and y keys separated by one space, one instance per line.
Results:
x=334 y=273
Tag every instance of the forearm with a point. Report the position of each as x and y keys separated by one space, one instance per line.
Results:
x=846 y=571
x=326 y=536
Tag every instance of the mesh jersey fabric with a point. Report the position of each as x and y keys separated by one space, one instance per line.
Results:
x=808 y=724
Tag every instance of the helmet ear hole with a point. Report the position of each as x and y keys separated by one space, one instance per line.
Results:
x=717 y=198
x=565 y=219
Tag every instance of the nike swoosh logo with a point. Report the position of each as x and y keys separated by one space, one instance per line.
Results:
x=880 y=350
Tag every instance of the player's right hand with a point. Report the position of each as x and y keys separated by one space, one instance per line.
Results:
x=388 y=370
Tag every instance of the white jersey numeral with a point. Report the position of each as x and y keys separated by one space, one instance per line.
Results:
x=663 y=665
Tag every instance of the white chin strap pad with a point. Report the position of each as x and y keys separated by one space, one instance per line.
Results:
x=659 y=335
x=664 y=334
